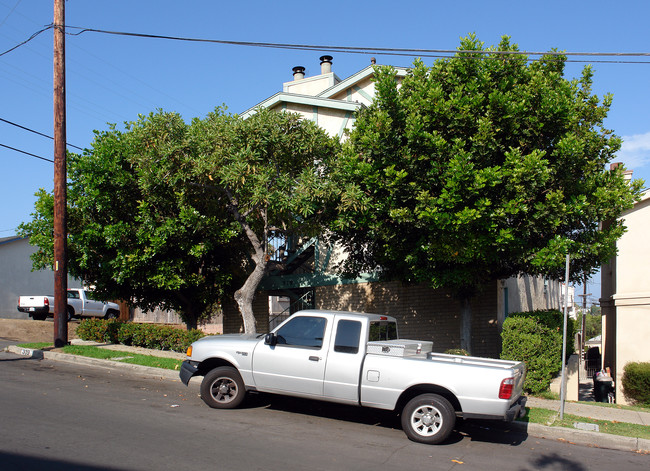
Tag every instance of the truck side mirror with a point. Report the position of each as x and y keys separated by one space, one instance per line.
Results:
x=270 y=339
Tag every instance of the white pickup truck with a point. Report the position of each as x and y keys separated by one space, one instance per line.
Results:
x=357 y=359
x=80 y=304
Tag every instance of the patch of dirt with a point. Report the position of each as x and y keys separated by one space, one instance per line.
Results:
x=28 y=330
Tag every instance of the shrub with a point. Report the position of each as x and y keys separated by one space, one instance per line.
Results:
x=99 y=330
x=636 y=382
x=536 y=338
x=154 y=336
x=457 y=351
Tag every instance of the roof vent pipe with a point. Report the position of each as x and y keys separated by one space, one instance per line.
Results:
x=298 y=72
x=325 y=64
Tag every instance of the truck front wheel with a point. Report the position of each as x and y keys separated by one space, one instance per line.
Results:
x=428 y=418
x=223 y=388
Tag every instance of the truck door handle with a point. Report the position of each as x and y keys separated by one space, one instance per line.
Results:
x=314 y=358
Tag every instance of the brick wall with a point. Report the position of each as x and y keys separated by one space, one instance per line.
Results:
x=422 y=313
x=232 y=321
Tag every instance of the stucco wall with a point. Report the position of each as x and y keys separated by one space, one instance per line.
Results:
x=16 y=277
x=626 y=303
x=526 y=293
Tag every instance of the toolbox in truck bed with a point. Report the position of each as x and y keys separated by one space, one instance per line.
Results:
x=399 y=348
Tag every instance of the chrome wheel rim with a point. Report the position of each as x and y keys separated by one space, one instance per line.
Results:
x=426 y=420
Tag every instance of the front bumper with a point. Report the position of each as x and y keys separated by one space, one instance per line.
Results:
x=517 y=410
x=188 y=369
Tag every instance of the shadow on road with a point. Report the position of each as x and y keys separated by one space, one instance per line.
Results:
x=475 y=430
x=17 y=462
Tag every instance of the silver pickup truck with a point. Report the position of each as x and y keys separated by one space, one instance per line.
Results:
x=80 y=303
x=358 y=359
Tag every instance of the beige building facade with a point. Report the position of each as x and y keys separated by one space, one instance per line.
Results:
x=625 y=296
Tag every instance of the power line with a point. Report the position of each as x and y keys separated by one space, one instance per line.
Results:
x=433 y=53
x=365 y=50
x=27 y=40
x=27 y=153
x=10 y=12
x=36 y=132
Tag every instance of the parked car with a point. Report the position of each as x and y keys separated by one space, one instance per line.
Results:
x=80 y=304
x=358 y=359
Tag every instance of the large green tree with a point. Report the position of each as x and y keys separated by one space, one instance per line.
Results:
x=273 y=171
x=481 y=167
x=177 y=216
x=140 y=229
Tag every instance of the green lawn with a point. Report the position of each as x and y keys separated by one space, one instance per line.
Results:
x=552 y=418
x=114 y=355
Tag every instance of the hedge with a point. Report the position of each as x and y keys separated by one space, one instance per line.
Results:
x=636 y=382
x=536 y=338
x=158 y=337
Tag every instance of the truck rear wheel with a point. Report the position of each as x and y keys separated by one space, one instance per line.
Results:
x=223 y=388
x=428 y=418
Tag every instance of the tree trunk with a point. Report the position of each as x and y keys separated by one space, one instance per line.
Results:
x=244 y=296
x=465 y=325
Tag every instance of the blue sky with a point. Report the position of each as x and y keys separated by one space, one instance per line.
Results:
x=112 y=79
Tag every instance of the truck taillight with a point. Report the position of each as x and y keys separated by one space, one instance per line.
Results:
x=505 y=390
x=46 y=301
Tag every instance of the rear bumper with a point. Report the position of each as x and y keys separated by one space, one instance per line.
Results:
x=517 y=410
x=34 y=310
x=188 y=370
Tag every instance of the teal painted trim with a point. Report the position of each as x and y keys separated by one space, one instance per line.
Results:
x=344 y=123
x=315 y=114
x=312 y=280
x=284 y=106
x=349 y=93
x=363 y=93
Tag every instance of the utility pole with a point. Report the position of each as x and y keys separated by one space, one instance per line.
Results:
x=60 y=216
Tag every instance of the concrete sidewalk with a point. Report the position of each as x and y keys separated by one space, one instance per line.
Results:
x=599 y=412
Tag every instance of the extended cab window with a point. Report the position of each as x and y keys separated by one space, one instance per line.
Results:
x=303 y=332
x=382 y=330
x=347 y=336
x=73 y=295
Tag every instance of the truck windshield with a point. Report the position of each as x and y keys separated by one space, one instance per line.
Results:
x=382 y=330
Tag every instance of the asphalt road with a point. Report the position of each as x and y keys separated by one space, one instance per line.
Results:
x=60 y=416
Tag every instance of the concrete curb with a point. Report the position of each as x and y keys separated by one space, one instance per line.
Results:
x=584 y=437
x=573 y=436
x=108 y=364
